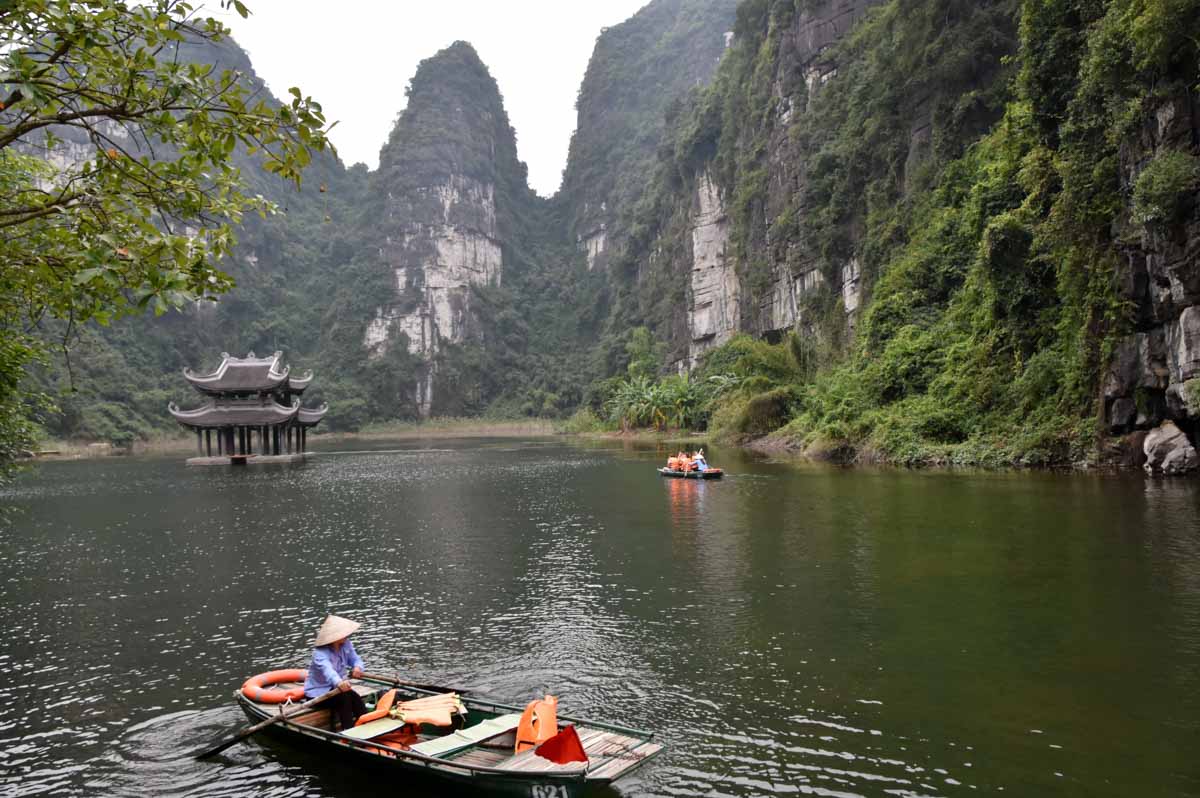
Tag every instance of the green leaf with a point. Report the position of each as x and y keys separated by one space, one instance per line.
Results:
x=87 y=275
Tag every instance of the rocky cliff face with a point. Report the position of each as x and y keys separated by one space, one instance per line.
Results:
x=722 y=300
x=1150 y=376
x=638 y=68
x=730 y=185
x=445 y=197
x=714 y=295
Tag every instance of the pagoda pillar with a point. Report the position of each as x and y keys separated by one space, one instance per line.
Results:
x=208 y=442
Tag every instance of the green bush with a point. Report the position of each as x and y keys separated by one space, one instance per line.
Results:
x=768 y=411
x=1165 y=185
x=582 y=421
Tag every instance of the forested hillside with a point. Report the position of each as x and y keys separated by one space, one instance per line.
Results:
x=924 y=231
x=112 y=382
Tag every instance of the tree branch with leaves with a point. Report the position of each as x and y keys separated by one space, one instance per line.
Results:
x=119 y=190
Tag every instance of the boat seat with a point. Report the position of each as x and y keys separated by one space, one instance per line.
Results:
x=374 y=728
x=465 y=738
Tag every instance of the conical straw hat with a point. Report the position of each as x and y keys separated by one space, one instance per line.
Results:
x=334 y=628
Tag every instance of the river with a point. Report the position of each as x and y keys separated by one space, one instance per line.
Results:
x=790 y=629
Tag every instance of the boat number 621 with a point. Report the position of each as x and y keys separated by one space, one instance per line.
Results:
x=548 y=791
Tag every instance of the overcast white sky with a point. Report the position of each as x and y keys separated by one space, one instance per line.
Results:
x=356 y=57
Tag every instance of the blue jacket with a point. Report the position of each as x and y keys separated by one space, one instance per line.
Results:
x=329 y=667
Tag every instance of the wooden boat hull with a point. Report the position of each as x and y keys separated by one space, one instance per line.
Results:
x=614 y=752
x=712 y=473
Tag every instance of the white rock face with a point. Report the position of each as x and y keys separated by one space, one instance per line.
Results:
x=1183 y=345
x=424 y=393
x=713 y=315
x=782 y=309
x=851 y=288
x=594 y=244
x=434 y=264
x=377 y=332
x=714 y=312
x=1169 y=452
x=782 y=306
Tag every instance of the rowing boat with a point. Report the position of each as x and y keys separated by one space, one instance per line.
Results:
x=478 y=754
x=712 y=473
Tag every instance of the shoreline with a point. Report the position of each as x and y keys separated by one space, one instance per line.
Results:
x=436 y=428
x=1113 y=458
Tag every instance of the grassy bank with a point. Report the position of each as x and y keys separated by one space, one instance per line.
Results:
x=185 y=443
x=79 y=449
x=446 y=428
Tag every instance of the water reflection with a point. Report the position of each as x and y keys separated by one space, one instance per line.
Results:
x=787 y=629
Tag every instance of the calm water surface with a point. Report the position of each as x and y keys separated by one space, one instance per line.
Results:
x=791 y=629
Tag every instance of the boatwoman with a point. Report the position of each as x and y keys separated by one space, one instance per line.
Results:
x=334 y=660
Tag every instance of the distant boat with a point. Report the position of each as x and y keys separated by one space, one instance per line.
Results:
x=711 y=473
x=479 y=755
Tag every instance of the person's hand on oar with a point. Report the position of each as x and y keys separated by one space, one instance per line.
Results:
x=334 y=663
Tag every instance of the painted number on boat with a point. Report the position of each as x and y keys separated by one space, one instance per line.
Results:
x=548 y=791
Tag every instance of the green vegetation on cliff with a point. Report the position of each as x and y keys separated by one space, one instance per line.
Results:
x=992 y=257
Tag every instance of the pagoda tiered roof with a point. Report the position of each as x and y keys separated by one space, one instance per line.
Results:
x=249 y=374
x=251 y=412
x=311 y=416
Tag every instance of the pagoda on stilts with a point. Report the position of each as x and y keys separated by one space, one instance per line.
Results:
x=252 y=412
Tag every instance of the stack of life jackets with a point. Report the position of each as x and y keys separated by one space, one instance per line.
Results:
x=681 y=463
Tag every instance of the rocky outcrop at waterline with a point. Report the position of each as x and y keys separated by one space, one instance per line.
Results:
x=1169 y=452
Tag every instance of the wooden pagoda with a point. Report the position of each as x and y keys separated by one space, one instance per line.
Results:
x=252 y=412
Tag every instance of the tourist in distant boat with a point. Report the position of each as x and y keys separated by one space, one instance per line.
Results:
x=334 y=661
x=699 y=461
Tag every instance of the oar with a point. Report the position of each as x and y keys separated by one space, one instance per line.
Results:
x=257 y=727
x=432 y=688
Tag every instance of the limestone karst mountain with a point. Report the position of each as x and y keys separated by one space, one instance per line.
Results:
x=442 y=207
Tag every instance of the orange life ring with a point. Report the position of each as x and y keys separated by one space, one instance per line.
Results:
x=539 y=722
x=258 y=688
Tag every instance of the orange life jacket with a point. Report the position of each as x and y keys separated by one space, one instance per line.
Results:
x=381 y=708
x=539 y=722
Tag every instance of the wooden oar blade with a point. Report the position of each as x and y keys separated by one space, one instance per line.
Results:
x=257 y=727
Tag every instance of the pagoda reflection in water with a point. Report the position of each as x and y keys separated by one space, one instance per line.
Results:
x=252 y=412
